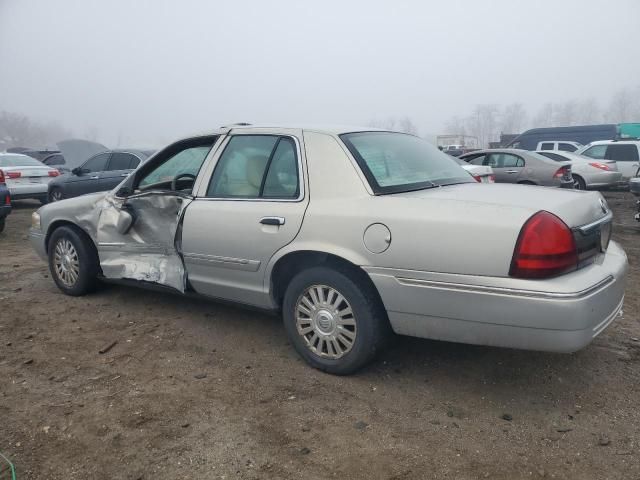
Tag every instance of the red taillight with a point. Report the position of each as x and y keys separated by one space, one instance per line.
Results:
x=477 y=178
x=545 y=248
x=13 y=174
x=562 y=171
x=492 y=179
x=601 y=166
x=7 y=200
x=54 y=173
x=1 y=176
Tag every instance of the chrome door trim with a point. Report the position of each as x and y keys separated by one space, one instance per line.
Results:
x=223 y=262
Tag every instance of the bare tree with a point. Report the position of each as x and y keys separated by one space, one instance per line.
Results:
x=588 y=111
x=514 y=118
x=483 y=124
x=566 y=113
x=404 y=124
x=544 y=117
x=622 y=106
x=456 y=126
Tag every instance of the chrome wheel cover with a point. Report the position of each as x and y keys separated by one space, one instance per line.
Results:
x=66 y=262
x=325 y=321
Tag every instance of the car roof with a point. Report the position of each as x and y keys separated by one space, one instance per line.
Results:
x=330 y=129
x=609 y=142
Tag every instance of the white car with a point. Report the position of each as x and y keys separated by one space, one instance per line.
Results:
x=564 y=146
x=625 y=152
x=480 y=173
x=26 y=177
x=587 y=172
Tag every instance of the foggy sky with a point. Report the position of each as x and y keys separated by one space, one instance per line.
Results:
x=147 y=72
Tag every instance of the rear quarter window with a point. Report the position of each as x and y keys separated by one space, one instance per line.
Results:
x=622 y=152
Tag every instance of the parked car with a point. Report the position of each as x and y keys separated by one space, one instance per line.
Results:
x=5 y=201
x=57 y=161
x=100 y=173
x=562 y=146
x=586 y=172
x=521 y=166
x=350 y=234
x=33 y=153
x=634 y=188
x=624 y=152
x=583 y=134
x=480 y=173
x=25 y=176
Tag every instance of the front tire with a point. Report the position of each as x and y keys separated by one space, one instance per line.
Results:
x=55 y=195
x=73 y=262
x=334 y=320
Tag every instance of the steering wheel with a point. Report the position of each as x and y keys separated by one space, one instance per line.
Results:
x=174 y=182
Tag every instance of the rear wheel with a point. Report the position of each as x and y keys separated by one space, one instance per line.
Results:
x=55 y=195
x=73 y=261
x=2 y=221
x=334 y=321
x=579 y=183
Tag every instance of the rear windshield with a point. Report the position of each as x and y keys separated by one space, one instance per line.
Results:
x=19 y=161
x=397 y=162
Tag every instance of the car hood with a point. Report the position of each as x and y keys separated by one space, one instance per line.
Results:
x=575 y=208
x=77 y=151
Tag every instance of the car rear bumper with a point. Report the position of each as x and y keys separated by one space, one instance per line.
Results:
x=21 y=191
x=558 y=315
x=37 y=239
x=602 y=179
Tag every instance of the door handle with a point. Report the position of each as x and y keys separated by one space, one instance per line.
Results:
x=511 y=171
x=94 y=178
x=124 y=175
x=272 y=221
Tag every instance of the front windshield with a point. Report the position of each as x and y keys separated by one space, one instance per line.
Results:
x=397 y=162
x=19 y=161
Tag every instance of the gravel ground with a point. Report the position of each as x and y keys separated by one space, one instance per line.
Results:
x=198 y=390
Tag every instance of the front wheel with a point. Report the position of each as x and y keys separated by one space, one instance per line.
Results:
x=55 y=195
x=334 y=320
x=73 y=262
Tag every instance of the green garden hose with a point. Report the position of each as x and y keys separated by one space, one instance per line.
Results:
x=7 y=470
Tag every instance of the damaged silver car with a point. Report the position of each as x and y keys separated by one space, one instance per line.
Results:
x=351 y=234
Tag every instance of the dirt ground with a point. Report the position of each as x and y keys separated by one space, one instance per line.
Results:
x=198 y=390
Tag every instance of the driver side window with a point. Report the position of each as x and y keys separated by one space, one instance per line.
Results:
x=187 y=161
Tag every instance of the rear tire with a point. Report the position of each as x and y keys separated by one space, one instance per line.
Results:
x=2 y=223
x=73 y=262
x=346 y=325
x=55 y=195
x=579 y=183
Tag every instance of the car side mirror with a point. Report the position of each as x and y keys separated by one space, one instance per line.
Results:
x=79 y=171
x=124 y=222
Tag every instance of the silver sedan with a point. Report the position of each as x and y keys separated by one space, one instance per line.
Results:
x=511 y=165
x=26 y=177
x=351 y=234
x=587 y=172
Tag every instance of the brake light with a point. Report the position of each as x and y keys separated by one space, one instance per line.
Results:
x=545 y=248
x=562 y=172
x=7 y=199
x=1 y=176
x=492 y=179
x=477 y=178
x=54 y=173
x=601 y=166
x=13 y=174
